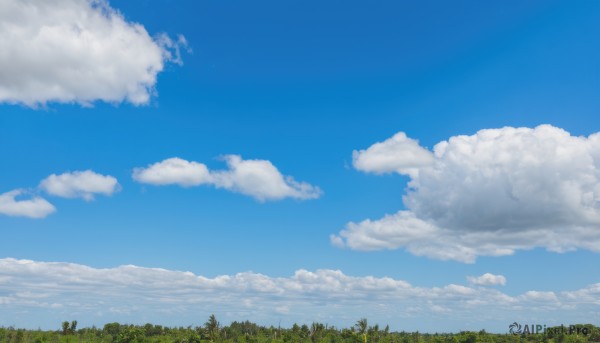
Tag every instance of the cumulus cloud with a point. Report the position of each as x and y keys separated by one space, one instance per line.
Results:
x=80 y=184
x=487 y=279
x=491 y=193
x=398 y=154
x=133 y=294
x=34 y=207
x=77 y=51
x=259 y=179
x=173 y=171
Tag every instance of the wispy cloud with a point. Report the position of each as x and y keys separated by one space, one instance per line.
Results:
x=259 y=179
x=489 y=194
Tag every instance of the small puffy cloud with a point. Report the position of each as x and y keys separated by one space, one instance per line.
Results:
x=398 y=154
x=173 y=171
x=135 y=294
x=488 y=194
x=259 y=179
x=35 y=207
x=80 y=184
x=487 y=279
x=77 y=51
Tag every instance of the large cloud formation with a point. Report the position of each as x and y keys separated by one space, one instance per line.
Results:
x=77 y=51
x=29 y=289
x=489 y=194
x=259 y=179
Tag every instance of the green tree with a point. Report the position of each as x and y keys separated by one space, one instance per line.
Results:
x=361 y=325
x=65 y=328
x=131 y=335
x=19 y=338
x=316 y=332
x=373 y=333
x=304 y=331
x=112 y=329
x=212 y=327
x=361 y=328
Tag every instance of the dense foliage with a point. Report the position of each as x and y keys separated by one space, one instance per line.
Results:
x=247 y=332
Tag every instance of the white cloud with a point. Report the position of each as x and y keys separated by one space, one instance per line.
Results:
x=490 y=194
x=589 y=295
x=175 y=171
x=35 y=207
x=419 y=237
x=539 y=296
x=397 y=154
x=80 y=184
x=77 y=51
x=487 y=279
x=259 y=179
x=135 y=294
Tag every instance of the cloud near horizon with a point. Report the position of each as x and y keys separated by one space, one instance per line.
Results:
x=259 y=179
x=137 y=295
x=78 y=51
x=488 y=194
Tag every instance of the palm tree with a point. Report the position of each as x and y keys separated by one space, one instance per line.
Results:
x=361 y=326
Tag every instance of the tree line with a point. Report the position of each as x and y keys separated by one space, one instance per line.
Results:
x=247 y=332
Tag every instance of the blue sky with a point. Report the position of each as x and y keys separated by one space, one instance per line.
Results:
x=303 y=89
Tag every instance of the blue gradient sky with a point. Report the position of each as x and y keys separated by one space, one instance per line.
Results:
x=303 y=84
